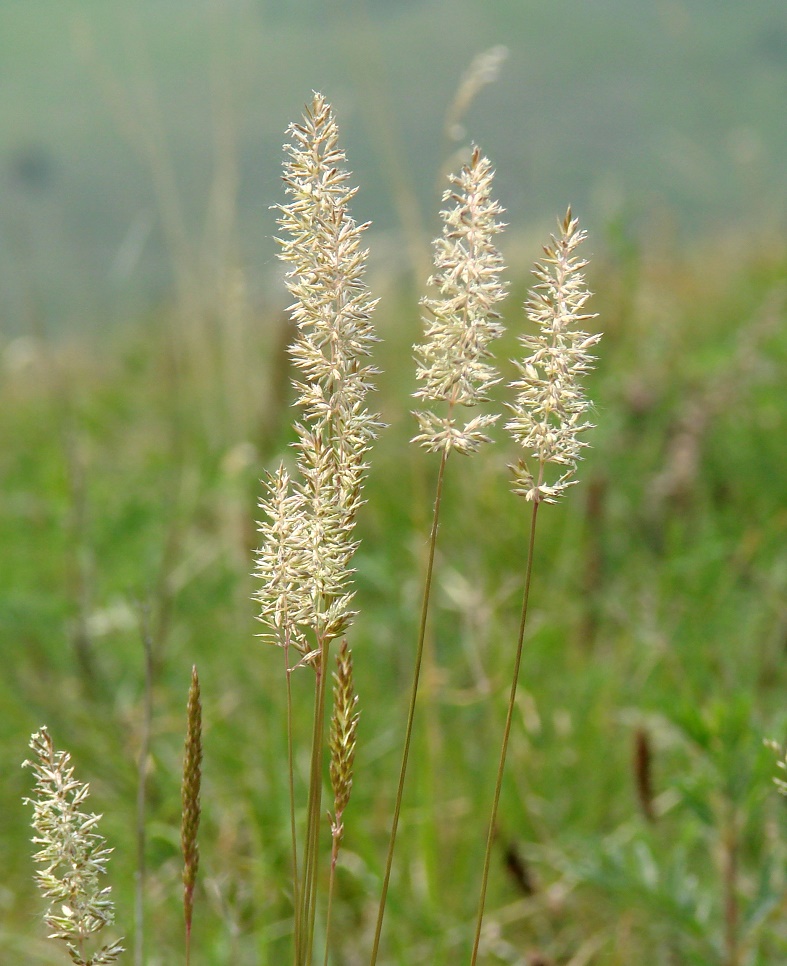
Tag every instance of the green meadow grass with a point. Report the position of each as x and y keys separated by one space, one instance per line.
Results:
x=129 y=491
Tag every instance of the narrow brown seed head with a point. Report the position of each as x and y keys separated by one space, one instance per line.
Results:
x=344 y=724
x=643 y=773
x=192 y=776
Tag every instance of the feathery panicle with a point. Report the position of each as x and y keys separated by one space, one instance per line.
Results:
x=190 y=798
x=72 y=856
x=550 y=403
x=462 y=321
x=282 y=563
x=305 y=563
x=344 y=725
x=332 y=307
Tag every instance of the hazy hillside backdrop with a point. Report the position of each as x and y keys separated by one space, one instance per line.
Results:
x=122 y=121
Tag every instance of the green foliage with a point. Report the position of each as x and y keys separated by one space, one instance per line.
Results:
x=658 y=605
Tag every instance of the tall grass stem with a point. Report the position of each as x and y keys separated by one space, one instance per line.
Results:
x=506 y=735
x=411 y=710
x=311 y=859
x=291 y=782
x=142 y=788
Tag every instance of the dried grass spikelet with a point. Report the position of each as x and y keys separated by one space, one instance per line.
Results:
x=550 y=403
x=462 y=321
x=304 y=564
x=190 y=799
x=344 y=724
x=72 y=856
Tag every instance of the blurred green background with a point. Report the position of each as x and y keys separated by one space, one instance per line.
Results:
x=144 y=391
x=123 y=122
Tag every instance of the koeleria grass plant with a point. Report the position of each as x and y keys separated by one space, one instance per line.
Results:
x=305 y=591
x=456 y=374
x=548 y=418
x=304 y=563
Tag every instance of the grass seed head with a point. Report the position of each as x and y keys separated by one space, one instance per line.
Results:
x=462 y=321
x=190 y=796
x=72 y=856
x=308 y=543
x=548 y=412
x=344 y=724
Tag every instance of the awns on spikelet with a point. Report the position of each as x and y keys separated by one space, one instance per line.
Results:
x=550 y=404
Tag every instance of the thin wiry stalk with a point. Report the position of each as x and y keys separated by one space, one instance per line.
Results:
x=315 y=802
x=730 y=848
x=344 y=724
x=142 y=777
x=506 y=735
x=291 y=782
x=331 y=890
x=411 y=709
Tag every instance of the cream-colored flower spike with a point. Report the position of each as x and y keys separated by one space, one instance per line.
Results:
x=462 y=321
x=308 y=544
x=72 y=856
x=550 y=403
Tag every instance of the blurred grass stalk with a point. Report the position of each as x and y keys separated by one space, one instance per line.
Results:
x=212 y=335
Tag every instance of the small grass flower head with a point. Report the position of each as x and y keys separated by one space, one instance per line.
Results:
x=462 y=320
x=548 y=413
x=72 y=857
x=344 y=725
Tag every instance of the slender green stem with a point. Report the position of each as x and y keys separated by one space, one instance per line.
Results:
x=315 y=804
x=142 y=787
x=411 y=711
x=291 y=777
x=331 y=883
x=730 y=847
x=305 y=893
x=506 y=735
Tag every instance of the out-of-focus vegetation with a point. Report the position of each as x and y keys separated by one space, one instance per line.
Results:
x=125 y=125
x=639 y=823
x=130 y=475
